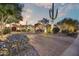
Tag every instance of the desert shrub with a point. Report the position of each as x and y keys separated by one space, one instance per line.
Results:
x=56 y=30
x=13 y=28
x=23 y=30
x=65 y=31
x=73 y=34
x=39 y=31
x=3 y=49
x=28 y=30
x=6 y=30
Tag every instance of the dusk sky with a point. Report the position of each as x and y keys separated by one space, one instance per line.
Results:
x=33 y=12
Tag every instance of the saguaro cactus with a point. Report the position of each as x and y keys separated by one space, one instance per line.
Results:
x=52 y=14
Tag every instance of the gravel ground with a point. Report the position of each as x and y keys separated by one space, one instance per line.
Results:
x=30 y=51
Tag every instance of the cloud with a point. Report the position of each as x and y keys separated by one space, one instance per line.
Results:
x=30 y=17
x=66 y=8
x=62 y=8
x=29 y=10
x=26 y=14
x=48 y=5
x=63 y=11
x=45 y=5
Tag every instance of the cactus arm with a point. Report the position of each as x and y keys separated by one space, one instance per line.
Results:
x=56 y=13
x=50 y=13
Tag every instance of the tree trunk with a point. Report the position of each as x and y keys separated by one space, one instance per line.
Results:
x=2 y=28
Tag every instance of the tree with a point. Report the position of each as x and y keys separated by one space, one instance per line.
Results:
x=68 y=24
x=56 y=29
x=9 y=13
x=44 y=20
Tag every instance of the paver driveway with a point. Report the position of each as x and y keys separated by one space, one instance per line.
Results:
x=50 y=45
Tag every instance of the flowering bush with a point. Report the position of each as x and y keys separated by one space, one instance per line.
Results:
x=6 y=30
